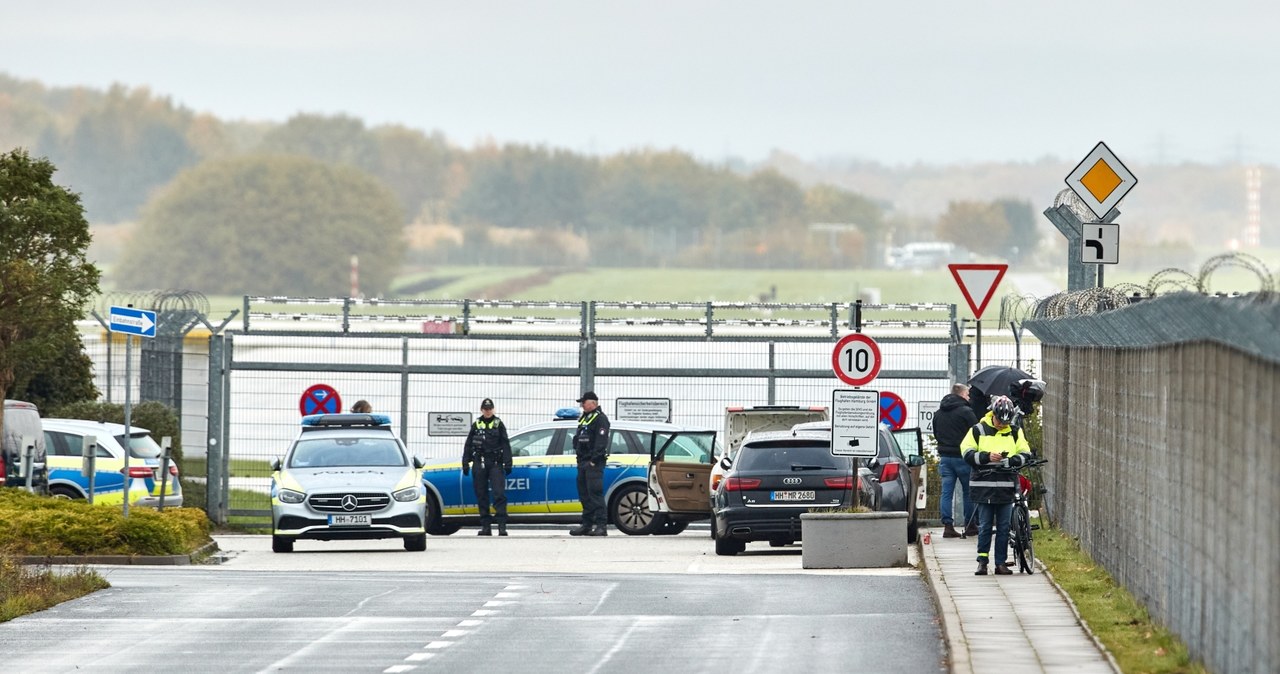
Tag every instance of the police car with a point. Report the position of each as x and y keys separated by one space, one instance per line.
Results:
x=346 y=476
x=64 y=443
x=543 y=484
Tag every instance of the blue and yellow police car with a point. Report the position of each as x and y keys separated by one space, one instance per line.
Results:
x=543 y=484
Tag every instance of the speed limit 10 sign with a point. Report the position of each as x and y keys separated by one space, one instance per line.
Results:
x=856 y=359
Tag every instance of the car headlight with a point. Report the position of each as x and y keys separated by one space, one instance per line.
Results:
x=407 y=494
x=291 y=496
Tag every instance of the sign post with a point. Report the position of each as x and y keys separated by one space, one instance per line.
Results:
x=978 y=281
x=1101 y=181
x=854 y=416
x=856 y=359
x=130 y=322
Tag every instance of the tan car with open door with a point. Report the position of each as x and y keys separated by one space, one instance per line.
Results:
x=680 y=474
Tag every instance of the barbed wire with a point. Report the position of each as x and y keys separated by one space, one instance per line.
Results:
x=1242 y=260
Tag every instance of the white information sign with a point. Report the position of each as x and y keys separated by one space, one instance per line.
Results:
x=643 y=409
x=855 y=414
x=927 y=408
x=448 y=423
x=1100 y=243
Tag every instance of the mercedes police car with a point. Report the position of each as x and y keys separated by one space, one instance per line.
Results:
x=543 y=484
x=347 y=476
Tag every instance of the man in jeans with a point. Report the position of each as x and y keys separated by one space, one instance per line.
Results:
x=951 y=423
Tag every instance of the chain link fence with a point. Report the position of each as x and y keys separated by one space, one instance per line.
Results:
x=1161 y=426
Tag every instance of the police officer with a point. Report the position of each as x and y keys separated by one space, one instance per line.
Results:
x=488 y=447
x=591 y=445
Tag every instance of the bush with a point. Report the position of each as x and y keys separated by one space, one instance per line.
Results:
x=34 y=525
x=154 y=416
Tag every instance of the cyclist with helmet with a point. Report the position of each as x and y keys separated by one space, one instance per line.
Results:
x=991 y=447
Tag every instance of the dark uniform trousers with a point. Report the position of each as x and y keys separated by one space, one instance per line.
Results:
x=489 y=479
x=591 y=493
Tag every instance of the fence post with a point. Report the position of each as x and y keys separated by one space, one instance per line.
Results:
x=404 y=390
x=710 y=318
x=213 y=445
x=228 y=355
x=773 y=376
x=958 y=362
x=587 y=350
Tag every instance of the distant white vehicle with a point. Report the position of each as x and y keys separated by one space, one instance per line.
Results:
x=925 y=255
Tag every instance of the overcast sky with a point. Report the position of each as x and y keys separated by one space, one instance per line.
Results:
x=897 y=82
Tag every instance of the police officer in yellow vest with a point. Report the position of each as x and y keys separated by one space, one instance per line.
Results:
x=992 y=447
x=591 y=446
x=488 y=447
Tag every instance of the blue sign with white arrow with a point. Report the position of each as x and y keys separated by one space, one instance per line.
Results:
x=132 y=321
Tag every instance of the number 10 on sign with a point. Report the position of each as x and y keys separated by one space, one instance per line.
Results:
x=856 y=359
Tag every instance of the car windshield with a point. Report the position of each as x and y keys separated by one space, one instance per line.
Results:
x=332 y=452
x=788 y=459
x=141 y=446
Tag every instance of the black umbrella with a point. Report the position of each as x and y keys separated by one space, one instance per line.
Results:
x=997 y=380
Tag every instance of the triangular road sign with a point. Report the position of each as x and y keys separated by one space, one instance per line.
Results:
x=978 y=280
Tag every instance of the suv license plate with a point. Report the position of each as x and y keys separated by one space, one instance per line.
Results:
x=350 y=520
x=792 y=496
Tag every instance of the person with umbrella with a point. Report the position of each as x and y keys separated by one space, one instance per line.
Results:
x=1001 y=380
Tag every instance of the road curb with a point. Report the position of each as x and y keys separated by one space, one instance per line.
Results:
x=205 y=551
x=952 y=629
x=1076 y=612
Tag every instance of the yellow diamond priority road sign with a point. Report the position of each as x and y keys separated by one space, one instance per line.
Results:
x=1101 y=180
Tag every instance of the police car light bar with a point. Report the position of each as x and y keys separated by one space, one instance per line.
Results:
x=566 y=413
x=346 y=420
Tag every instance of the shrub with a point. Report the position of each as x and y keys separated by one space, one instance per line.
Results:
x=34 y=525
x=154 y=416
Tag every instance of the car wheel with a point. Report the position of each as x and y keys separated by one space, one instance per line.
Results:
x=728 y=547
x=630 y=512
x=66 y=493
x=281 y=544
x=415 y=543
x=435 y=526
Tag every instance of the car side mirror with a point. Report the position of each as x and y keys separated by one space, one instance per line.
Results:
x=275 y=466
x=726 y=463
x=915 y=460
x=873 y=463
x=417 y=463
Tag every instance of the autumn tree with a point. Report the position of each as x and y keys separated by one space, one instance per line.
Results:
x=978 y=226
x=45 y=279
x=280 y=224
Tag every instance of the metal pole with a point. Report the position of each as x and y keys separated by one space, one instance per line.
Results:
x=128 y=409
x=404 y=391
x=164 y=468
x=978 y=359
x=773 y=377
x=1100 y=270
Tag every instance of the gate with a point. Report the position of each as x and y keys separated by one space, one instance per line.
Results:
x=412 y=358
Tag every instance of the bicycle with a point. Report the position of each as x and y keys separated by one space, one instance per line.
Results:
x=1020 y=526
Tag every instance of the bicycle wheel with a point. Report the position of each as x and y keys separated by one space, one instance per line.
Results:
x=1021 y=533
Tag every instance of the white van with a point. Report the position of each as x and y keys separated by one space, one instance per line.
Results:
x=22 y=420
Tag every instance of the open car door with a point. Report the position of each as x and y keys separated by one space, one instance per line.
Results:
x=680 y=472
x=911 y=442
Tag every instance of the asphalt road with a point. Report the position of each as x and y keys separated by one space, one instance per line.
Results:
x=243 y=616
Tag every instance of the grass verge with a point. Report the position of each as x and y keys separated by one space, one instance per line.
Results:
x=199 y=467
x=25 y=589
x=1121 y=623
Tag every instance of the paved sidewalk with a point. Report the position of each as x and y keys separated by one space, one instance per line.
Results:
x=1015 y=623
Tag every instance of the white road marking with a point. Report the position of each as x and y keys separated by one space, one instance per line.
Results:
x=617 y=646
x=419 y=657
x=507 y=595
x=516 y=587
x=482 y=612
x=492 y=603
x=440 y=644
x=603 y=596
x=454 y=634
x=470 y=623
x=398 y=668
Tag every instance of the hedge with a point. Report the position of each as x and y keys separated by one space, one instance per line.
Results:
x=39 y=525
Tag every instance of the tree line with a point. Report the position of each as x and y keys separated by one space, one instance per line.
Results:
x=232 y=206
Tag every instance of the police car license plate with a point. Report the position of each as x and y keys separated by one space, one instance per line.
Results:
x=793 y=496
x=350 y=520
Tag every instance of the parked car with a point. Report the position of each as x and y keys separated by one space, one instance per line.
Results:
x=347 y=477
x=543 y=484
x=22 y=420
x=64 y=439
x=739 y=422
x=897 y=471
x=776 y=477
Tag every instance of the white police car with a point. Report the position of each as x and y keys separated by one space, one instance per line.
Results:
x=347 y=476
x=543 y=484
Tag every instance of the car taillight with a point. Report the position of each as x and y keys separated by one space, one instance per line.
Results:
x=839 y=482
x=139 y=472
x=741 y=483
x=889 y=473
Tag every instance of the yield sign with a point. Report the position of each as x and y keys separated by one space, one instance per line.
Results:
x=978 y=281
